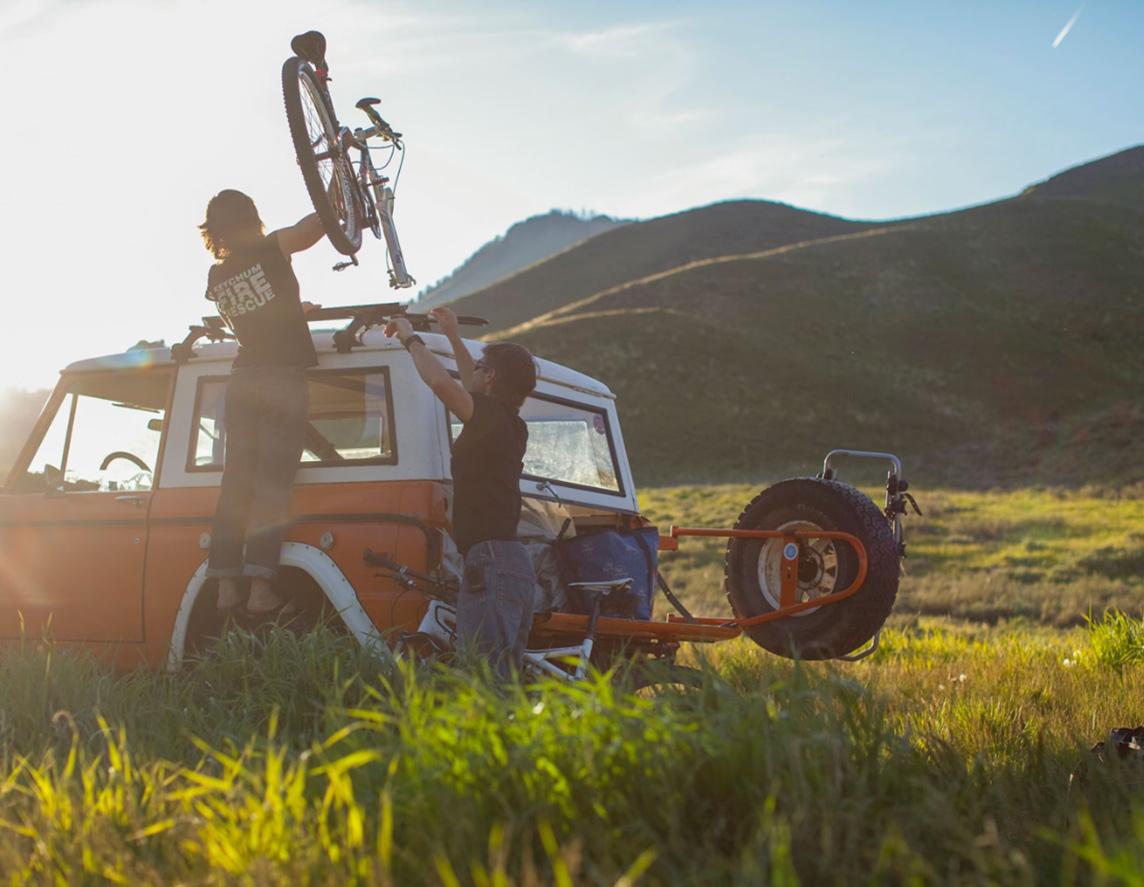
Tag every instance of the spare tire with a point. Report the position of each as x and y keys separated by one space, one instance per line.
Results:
x=752 y=577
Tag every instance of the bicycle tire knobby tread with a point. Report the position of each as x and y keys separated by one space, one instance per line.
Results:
x=834 y=629
x=346 y=239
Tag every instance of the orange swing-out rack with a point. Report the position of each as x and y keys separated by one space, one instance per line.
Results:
x=707 y=629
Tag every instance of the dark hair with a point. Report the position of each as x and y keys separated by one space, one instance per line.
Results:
x=515 y=371
x=232 y=222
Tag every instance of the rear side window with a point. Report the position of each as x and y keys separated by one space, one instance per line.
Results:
x=350 y=421
x=568 y=444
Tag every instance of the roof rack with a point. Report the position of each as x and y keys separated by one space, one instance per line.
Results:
x=211 y=328
x=360 y=317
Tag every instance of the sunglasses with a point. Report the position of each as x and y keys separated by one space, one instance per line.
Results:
x=481 y=365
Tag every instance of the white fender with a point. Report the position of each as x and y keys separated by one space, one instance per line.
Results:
x=320 y=568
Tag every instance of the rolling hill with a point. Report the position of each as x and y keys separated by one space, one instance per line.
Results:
x=993 y=345
x=640 y=249
x=524 y=244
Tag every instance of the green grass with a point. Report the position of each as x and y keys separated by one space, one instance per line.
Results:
x=957 y=754
x=1118 y=640
x=943 y=760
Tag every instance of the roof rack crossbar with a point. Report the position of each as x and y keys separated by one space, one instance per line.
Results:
x=360 y=317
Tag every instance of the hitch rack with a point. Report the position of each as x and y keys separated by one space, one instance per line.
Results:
x=707 y=629
x=788 y=604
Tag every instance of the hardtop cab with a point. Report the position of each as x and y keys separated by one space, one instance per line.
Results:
x=106 y=515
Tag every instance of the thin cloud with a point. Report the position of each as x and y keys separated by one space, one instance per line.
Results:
x=629 y=41
x=808 y=172
x=642 y=71
x=1067 y=27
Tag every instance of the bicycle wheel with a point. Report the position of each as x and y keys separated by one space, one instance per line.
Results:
x=326 y=167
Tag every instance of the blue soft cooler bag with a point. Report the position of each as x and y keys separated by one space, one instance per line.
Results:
x=615 y=554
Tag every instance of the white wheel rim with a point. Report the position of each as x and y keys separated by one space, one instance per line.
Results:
x=817 y=570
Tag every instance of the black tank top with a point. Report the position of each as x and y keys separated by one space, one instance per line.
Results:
x=488 y=458
x=257 y=294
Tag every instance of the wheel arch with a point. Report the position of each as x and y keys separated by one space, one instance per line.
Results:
x=311 y=561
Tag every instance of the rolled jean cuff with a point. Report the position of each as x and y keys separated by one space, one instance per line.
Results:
x=257 y=572
x=223 y=572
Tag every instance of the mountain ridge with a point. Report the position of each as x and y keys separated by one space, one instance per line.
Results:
x=522 y=245
x=938 y=334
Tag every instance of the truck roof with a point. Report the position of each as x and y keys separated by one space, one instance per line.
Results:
x=373 y=340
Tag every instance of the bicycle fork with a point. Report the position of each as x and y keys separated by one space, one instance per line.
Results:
x=383 y=195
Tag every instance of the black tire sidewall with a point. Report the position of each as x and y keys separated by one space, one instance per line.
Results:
x=835 y=628
x=346 y=240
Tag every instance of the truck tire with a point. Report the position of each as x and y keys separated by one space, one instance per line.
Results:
x=751 y=568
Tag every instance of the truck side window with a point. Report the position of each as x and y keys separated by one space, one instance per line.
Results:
x=351 y=420
x=568 y=443
x=104 y=436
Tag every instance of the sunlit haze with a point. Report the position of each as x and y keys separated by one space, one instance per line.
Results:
x=123 y=118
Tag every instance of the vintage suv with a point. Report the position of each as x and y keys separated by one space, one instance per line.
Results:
x=105 y=517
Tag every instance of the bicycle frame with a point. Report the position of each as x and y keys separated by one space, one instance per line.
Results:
x=377 y=195
x=372 y=193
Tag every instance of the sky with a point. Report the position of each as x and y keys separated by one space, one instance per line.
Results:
x=123 y=118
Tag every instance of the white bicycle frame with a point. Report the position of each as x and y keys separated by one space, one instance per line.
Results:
x=440 y=624
x=375 y=188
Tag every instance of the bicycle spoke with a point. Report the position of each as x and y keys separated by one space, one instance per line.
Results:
x=328 y=160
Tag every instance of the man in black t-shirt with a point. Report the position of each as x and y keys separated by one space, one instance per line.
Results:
x=267 y=399
x=494 y=606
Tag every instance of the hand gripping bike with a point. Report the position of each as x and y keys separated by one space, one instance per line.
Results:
x=348 y=195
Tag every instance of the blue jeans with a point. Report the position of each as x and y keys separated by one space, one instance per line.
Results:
x=494 y=607
x=266 y=418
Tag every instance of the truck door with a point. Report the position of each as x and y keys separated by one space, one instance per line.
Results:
x=73 y=516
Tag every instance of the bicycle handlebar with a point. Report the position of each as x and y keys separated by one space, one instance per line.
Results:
x=382 y=128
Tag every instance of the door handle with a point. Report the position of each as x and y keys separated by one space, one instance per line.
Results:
x=137 y=501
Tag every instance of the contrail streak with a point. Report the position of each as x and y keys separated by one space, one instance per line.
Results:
x=1065 y=29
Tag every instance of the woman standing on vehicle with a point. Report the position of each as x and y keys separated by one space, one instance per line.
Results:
x=494 y=608
x=267 y=399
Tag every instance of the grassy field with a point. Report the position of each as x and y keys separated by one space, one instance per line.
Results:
x=946 y=759
x=958 y=754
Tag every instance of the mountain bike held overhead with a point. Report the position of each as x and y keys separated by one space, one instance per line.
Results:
x=348 y=194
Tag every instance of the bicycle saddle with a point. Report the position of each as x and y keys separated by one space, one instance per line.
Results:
x=311 y=47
